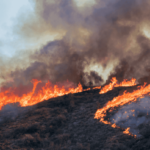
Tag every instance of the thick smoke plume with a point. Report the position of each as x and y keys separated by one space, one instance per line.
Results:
x=91 y=44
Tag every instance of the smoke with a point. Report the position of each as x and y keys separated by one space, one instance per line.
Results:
x=134 y=115
x=11 y=112
x=89 y=44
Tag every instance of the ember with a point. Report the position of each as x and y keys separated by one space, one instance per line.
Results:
x=127 y=131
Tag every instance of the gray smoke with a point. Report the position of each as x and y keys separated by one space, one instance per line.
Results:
x=95 y=42
x=133 y=115
x=11 y=112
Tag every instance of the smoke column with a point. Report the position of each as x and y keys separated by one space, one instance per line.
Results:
x=90 y=45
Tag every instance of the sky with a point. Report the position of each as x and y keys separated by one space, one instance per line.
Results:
x=8 y=16
x=9 y=13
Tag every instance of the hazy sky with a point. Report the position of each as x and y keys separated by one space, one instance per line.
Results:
x=10 y=10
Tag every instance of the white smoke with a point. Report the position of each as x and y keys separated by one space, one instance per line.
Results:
x=133 y=115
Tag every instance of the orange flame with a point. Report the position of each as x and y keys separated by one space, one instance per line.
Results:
x=121 y=100
x=126 y=131
x=32 y=98
x=98 y=87
x=47 y=91
x=114 y=83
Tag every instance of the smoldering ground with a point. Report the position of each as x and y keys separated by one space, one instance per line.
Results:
x=104 y=38
x=134 y=115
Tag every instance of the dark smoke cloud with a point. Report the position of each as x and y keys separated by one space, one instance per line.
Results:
x=106 y=33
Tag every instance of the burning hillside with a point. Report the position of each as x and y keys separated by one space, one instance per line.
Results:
x=82 y=77
x=67 y=122
x=125 y=98
x=46 y=92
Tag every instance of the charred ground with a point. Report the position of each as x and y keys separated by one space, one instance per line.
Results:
x=67 y=123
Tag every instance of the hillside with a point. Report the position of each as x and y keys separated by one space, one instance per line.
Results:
x=66 y=123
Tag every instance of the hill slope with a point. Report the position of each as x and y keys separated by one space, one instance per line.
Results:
x=66 y=123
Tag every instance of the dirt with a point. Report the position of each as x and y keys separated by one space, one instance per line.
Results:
x=67 y=123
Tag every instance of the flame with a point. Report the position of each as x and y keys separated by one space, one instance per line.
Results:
x=114 y=83
x=31 y=98
x=121 y=100
x=46 y=92
x=98 y=87
x=114 y=125
x=126 y=131
x=133 y=110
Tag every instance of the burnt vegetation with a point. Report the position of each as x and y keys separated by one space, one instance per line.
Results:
x=67 y=123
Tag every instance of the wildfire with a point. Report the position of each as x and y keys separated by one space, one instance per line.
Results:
x=114 y=83
x=121 y=100
x=46 y=92
x=127 y=131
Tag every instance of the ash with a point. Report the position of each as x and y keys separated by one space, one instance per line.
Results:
x=67 y=123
